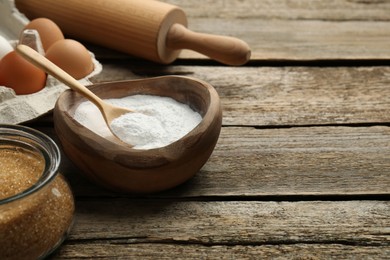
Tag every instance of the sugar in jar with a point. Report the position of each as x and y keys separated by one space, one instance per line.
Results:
x=36 y=203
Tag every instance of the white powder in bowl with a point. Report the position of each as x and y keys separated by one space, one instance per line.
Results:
x=156 y=122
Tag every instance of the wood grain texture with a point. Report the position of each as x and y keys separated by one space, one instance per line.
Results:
x=332 y=10
x=297 y=30
x=290 y=162
x=302 y=40
x=233 y=222
x=296 y=161
x=204 y=228
x=264 y=96
x=120 y=249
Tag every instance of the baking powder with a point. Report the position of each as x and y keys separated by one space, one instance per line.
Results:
x=156 y=122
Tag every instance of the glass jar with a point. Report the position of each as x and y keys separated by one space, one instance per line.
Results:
x=36 y=203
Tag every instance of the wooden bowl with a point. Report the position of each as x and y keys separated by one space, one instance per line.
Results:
x=121 y=168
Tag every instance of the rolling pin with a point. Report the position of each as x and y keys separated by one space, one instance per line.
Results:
x=148 y=29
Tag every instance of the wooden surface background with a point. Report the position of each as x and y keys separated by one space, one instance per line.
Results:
x=302 y=166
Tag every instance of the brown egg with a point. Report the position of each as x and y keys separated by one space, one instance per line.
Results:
x=20 y=75
x=48 y=31
x=72 y=57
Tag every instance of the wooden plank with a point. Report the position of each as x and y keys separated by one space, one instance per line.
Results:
x=297 y=30
x=331 y=10
x=302 y=40
x=310 y=161
x=119 y=249
x=296 y=161
x=304 y=30
x=133 y=221
x=264 y=96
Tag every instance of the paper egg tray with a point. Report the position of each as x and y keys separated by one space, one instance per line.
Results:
x=15 y=109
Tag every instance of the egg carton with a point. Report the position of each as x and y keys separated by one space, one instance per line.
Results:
x=16 y=109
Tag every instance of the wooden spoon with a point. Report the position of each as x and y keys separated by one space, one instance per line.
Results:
x=109 y=112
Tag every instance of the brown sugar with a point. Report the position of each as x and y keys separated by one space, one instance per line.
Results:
x=31 y=227
x=19 y=170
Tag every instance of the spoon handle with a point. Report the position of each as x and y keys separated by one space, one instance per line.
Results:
x=225 y=49
x=49 y=67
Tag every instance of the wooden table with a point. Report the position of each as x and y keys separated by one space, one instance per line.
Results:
x=302 y=165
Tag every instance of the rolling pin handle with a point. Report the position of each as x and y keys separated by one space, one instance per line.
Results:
x=225 y=49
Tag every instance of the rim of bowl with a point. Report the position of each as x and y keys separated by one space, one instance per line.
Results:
x=207 y=118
